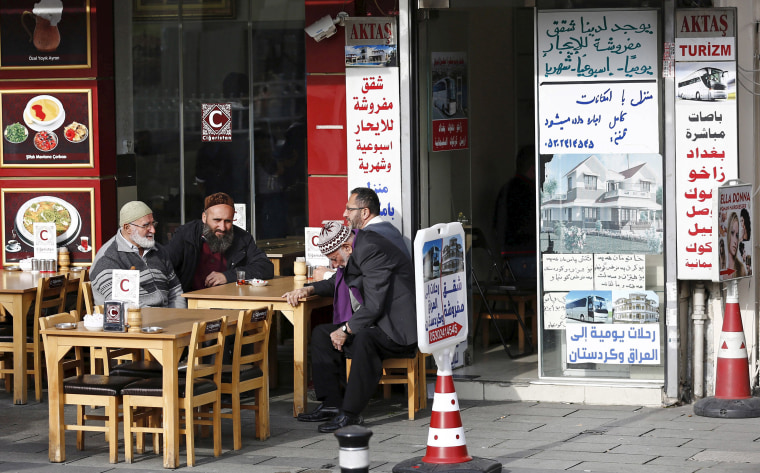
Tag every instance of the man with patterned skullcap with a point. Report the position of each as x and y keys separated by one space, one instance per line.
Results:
x=207 y=252
x=374 y=318
x=134 y=246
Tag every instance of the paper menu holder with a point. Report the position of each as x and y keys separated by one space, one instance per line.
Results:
x=114 y=316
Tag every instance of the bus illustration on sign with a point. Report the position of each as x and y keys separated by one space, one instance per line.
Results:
x=588 y=308
x=705 y=83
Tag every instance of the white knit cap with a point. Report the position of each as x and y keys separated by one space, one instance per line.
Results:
x=132 y=211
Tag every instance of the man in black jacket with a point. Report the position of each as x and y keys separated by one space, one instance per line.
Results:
x=207 y=252
x=374 y=319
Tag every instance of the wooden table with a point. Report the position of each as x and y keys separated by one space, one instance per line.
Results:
x=165 y=347
x=17 y=292
x=282 y=253
x=231 y=296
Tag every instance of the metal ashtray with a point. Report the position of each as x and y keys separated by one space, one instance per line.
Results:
x=66 y=326
x=152 y=329
x=13 y=268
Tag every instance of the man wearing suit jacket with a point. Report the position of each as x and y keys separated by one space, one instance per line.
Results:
x=363 y=212
x=373 y=320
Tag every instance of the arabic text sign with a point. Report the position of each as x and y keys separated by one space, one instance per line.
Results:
x=566 y=272
x=374 y=129
x=441 y=285
x=619 y=272
x=733 y=221
x=634 y=344
x=554 y=310
x=599 y=118
x=589 y=45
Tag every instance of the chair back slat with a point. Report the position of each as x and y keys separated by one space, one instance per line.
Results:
x=206 y=340
x=87 y=297
x=252 y=339
x=64 y=317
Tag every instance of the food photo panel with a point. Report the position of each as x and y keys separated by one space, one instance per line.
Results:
x=71 y=209
x=45 y=34
x=46 y=128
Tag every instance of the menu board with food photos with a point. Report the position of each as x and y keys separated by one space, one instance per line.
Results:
x=70 y=208
x=46 y=128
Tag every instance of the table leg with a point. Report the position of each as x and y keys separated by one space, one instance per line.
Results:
x=299 y=359
x=57 y=439
x=19 y=351
x=171 y=405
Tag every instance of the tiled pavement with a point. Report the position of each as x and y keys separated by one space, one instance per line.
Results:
x=526 y=437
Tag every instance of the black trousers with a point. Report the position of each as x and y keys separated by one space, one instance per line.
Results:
x=367 y=351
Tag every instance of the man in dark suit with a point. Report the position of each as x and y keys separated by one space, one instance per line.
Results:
x=374 y=319
x=363 y=212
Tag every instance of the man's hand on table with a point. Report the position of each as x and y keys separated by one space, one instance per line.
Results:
x=215 y=279
x=293 y=296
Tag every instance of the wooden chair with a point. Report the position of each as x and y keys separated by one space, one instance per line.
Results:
x=89 y=390
x=408 y=371
x=87 y=297
x=200 y=388
x=249 y=371
x=51 y=297
x=81 y=307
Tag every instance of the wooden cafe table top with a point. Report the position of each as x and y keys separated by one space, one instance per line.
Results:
x=17 y=292
x=166 y=347
x=232 y=296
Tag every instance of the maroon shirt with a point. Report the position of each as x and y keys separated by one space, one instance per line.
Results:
x=207 y=263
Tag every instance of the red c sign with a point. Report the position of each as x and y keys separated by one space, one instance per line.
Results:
x=121 y=285
x=43 y=235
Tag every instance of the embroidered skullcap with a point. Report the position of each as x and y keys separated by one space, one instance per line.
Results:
x=132 y=211
x=218 y=199
x=333 y=235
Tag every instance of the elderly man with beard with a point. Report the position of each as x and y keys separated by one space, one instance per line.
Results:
x=374 y=318
x=207 y=252
x=134 y=246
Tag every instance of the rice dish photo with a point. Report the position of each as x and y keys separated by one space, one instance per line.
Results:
x=46 y=211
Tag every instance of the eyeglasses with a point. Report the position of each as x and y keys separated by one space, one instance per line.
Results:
x=153 y=224
x=355 y=208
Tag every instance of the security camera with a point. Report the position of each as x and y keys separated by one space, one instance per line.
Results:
x=325 y=26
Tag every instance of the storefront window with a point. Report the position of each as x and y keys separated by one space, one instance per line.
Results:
x=250 y=61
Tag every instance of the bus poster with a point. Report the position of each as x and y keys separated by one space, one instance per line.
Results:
x=732 y=218
x=612 y=327
x=441 y=284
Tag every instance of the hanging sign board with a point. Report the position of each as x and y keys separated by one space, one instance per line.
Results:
x=441 y=284
x=732 y=248
x=706 y=133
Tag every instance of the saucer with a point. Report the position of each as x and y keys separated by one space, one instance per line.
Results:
x=57 y=123
x=257 y=282
x=81 y=248
x=12 y=248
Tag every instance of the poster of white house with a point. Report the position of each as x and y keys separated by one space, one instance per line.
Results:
x=596 y=203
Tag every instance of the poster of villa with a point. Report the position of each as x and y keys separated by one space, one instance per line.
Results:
x=597 y=203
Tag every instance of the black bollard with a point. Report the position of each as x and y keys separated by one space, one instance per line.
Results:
x=354 y=449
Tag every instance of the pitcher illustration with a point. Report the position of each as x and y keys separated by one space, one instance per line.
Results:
x=44 y=33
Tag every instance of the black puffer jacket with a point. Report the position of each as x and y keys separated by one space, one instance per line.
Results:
x=185 y=248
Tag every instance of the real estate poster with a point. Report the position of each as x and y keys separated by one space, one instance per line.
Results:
x=450 y=101
x=602 y=203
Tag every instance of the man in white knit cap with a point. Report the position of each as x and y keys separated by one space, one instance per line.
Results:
x=134 y=246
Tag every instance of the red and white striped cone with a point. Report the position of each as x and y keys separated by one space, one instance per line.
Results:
x=733 y=398
x=732 y=375
x=446 y=442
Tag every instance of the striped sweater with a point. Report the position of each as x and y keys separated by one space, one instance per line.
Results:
x=159 y=286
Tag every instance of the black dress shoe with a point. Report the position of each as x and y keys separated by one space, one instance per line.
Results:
x=320 y=414
x=340 y=421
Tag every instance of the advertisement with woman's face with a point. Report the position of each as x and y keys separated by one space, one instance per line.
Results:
x=734 y=232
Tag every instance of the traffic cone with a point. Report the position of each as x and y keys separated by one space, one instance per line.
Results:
x=446 y=443
x=733 y=397
x=732 y=376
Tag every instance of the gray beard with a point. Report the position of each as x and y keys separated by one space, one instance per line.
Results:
x=215 y=243
x=143 y=242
